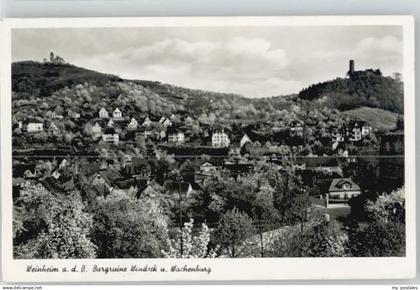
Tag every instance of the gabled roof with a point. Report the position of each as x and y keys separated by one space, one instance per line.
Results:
x=337 y=183
x=148 y=188
x=109 y=175
x=194 y=164
x=206 y=163
x=58 y=185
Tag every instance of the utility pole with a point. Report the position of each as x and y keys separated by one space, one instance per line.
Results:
x=181 y=242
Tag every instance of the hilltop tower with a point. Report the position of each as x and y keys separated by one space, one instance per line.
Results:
x=351 y=67
x=52 y=57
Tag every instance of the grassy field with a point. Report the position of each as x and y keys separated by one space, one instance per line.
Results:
x=379 y=119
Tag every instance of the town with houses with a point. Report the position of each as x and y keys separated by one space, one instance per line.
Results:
x=146 y=153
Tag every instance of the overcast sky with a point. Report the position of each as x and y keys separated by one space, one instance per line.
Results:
x=252 y=61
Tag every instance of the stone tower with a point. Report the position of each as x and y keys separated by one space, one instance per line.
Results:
x=351 y=67
x=52 y=57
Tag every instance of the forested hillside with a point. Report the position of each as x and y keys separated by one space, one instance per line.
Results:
x=38 y=79
x=54 y=83
x=365 y=89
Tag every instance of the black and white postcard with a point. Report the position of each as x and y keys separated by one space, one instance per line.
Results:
x=207 y=148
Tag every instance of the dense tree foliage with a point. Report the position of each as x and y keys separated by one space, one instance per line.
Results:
x=319 y=239
x=384 y=233
x=51 y=225
x=234 y=228
x=125 y=227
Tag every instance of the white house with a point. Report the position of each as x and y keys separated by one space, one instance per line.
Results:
x=357 y=130
x=220 y=139
x=207 y=167
x=343 y=189
x=147 y=133
x=74 y=115
x=176 y=137
x=111 y=138
x=63 y=163
x=53 y=128
x=35 y=126
x=56 y=174
x=296 y=129
x=147 y=122
x=117 y=114
x=103 y=113
x=133 y=124
x=162 y=134
x=165 y=122
x=366 y=130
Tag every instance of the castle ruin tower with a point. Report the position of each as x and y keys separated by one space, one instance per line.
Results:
x=351 y=67
x=52 y=57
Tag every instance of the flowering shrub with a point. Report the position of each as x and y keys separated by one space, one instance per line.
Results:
x=52 y=225
x=192 y=246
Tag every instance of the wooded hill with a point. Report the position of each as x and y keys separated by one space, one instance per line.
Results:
x=51 y=82
x=43 y=79
x=365 y=89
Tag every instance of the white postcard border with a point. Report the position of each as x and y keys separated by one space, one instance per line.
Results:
x=221 y=269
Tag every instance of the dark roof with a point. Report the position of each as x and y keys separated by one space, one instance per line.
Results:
x=173 y=130
x=296 y=122
x=109 y=130
x=58 y=185
x=111 y=176
x=126 y=183
x=145 y=184
x=257 y=136
x=194 y=164
x=35 y=120
x=137 y=161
